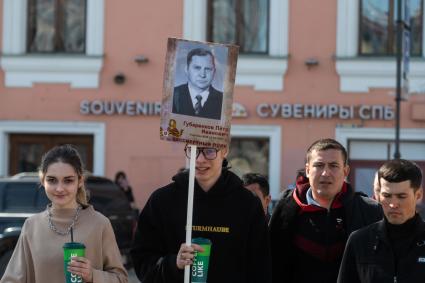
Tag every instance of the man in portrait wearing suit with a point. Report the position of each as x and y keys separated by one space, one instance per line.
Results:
x=197 y=97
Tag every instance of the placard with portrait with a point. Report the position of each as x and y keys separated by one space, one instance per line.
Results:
x=198 y=92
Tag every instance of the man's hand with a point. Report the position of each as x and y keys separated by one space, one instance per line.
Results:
x=186 y=255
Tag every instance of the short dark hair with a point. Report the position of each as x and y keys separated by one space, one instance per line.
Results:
x=120 y=174
x=325 y=144
x=199 y=52
x=255 y=178
x=400 y=170
x=301 y=176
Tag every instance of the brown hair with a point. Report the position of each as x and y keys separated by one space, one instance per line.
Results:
x=66 y=154
x=325 y=144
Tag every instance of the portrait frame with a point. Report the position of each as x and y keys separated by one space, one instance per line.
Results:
x=181 y=120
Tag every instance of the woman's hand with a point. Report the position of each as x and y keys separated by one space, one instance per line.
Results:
x=81 y=266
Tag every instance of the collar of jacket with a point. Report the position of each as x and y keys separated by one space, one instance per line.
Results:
x=290 y=208
x=419 y=232
x=300 y=197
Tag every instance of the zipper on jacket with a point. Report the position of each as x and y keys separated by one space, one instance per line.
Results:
x=394 y=260
x=328 y=218
x=328 y=227
x=395 y=265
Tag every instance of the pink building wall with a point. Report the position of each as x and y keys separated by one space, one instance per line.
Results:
x=142 y=28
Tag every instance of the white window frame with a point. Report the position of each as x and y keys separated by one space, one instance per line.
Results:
x=343 y=135
x=273 y=133
x=23 y=69
x=360 y=74
x=262 y=72
x=48 y=127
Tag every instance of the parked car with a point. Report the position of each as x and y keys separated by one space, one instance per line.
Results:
x=23 y=195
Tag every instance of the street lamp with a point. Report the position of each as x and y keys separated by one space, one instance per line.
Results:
x=403 y=50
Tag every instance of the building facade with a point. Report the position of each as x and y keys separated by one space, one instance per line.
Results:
x=90 y=73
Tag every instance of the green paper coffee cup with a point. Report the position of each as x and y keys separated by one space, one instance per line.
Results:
x=199 y=269
x=70 y=250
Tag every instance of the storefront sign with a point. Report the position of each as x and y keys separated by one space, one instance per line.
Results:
x=264 y=110
x=313 y=111
x=129 y=108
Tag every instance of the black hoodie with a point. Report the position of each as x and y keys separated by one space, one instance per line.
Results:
x=228 y=214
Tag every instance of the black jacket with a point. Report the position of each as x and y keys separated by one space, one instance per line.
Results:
x=369 y=257
x=359 y=211
x=182 y=103
x=228 y=214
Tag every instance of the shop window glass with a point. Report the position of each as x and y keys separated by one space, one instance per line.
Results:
x=26 y=150
x=249 y=155
x=56 y=26
x=29 y=157
x=241 y=22
x=378 y=27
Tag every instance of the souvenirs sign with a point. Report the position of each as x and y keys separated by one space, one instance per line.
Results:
x=198 y=92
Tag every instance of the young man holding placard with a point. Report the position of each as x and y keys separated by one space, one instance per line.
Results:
x=223 y=212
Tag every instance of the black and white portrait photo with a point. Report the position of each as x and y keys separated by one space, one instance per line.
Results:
x=197 y=100
x=198 y=87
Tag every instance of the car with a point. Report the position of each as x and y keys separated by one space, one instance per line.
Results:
x=22 y=196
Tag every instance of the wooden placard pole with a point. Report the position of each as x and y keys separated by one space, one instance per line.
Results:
x=189 y=215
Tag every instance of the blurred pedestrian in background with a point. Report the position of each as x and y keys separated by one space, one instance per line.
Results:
x=300 y=178
x=376 y=187
x=259 y=186
x=122 y=182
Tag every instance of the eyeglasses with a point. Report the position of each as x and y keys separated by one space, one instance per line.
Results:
x=209 y=153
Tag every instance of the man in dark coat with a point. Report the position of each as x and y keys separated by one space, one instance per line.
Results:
x=197 y=97
x=393 y=249
x=310 y=224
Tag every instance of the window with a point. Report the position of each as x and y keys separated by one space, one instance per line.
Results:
x=249 y=155
x=241 y=22
x=35 y=29
x=56 y=26
x=262 y=63
x=378 y=27
x=26 y=150
x=92 y=152
x=369 y=148
x=364 y=47
x=257 y=149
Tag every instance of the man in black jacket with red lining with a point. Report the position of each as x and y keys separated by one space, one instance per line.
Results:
x=392 y=250
x=310 y=224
